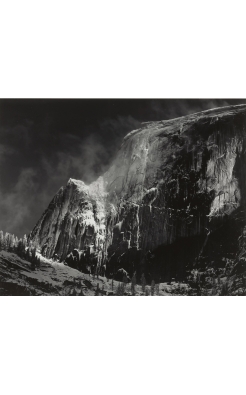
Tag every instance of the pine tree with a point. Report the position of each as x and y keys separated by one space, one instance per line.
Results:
x=33 y=266
x=143 y=282
x=21 y=249
x=16 y=243
x=133 y=283
x=124 y=281
x=24 y=241
x=2 y=243
x=152 y=288
x=11 y=242
x=120 y=289
x=214 y=291
x=97 y=290
x=38 y=262
x=225 y=289
x=33 y=252
x=7 y=241
x=28 y=254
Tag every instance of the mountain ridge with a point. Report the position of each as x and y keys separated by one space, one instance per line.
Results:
x=171 y=180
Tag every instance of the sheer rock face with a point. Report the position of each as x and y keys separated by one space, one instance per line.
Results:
x=171 y=180
x=74 y=218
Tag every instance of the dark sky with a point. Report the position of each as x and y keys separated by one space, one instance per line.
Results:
x=45 y=142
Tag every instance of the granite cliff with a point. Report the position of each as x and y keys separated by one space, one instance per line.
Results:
x=174 y=195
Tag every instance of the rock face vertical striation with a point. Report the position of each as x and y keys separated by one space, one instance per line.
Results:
x=172 y=185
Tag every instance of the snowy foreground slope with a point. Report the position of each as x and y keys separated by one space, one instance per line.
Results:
x=52 y=278
x=56 y=279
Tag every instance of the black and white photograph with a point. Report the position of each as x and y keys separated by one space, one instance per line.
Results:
x=122 y=173
x=123 y=197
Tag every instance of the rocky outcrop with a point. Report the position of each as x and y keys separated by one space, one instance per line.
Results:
x=74 y=218
x=172 y=185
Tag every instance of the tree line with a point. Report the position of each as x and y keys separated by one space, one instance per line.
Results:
x=22 y=247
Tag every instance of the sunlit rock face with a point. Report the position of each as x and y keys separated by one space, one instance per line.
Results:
x=75 y=218
x=172 y=183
